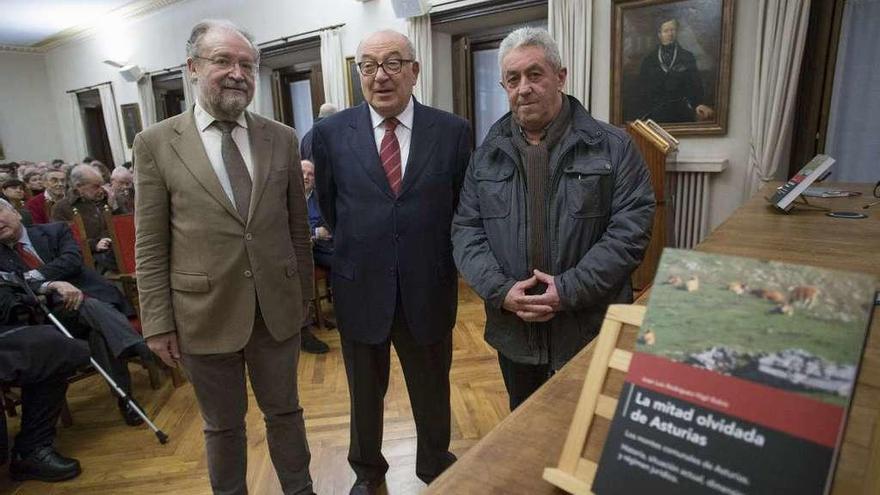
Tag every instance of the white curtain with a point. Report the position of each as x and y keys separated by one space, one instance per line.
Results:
x=570 y=23
x=79 y=132
x=782 y=29
x=147 y=100
x=419 y=31
x=333 y=68
x=854 y=120
x=111 y=122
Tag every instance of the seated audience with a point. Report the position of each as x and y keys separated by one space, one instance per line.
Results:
x=89 y=198
x=42 y=204
x=13 y=190
x=39 y=359
x=103 y=169
x=88 y=305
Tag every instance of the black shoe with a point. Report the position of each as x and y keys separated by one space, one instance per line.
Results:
x=368 y=487
x=311 y=344
x=131 y=417
x=44 y=464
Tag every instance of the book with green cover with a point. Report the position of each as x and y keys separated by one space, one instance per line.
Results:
x=741 y=379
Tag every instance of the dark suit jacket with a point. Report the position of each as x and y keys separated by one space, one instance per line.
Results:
x=60 y=252
x=385 y=243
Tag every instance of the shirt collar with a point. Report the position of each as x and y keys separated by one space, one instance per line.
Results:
x=205 y=119
x=24 y=239
x=405 y=117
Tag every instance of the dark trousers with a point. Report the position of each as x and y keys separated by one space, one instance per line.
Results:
x=221 y=390
x=41 y=405
x=426 y=371
x=109 y=334
x=521 y=380
x=38 y=359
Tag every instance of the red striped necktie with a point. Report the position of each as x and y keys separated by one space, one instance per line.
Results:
x=390 y=155
x=28 y=258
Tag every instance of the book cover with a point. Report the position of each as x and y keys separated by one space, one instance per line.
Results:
x=741 y=379
x=784 y=197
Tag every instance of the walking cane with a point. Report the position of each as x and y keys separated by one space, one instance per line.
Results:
x=18 y=280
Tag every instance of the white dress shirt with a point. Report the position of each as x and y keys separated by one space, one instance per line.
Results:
x=212 y=139
x=403 y=131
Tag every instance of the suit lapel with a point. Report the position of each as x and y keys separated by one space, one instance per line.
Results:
x=189 y=147
x=40 y=244
x=261 y=151
x=421 y=147
x=363 y=145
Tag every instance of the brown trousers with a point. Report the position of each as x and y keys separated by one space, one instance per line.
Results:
x=219 y=383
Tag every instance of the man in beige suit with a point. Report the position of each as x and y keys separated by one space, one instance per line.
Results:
x=223 y=257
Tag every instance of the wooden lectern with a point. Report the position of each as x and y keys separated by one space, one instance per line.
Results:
x=654 y=149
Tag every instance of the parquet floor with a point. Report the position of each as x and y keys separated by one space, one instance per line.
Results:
x=117 y=459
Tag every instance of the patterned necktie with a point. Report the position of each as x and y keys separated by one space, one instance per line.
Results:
x=390 y=155
x=239 y=177
x=30 y=260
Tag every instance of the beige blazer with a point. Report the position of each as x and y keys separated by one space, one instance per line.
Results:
x=201 y=270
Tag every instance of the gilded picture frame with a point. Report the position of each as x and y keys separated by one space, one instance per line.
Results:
x=671 y=62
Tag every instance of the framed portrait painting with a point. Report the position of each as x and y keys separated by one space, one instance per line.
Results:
x=131 y=122
x=353 y=83
x=671 y=63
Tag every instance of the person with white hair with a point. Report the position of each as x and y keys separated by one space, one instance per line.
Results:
x=121 y=190
x=89 y=198
x=305 y=145
x=555 y=214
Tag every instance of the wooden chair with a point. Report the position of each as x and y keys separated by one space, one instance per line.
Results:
x=122 y=234
x=79 y=234
x=321 y=274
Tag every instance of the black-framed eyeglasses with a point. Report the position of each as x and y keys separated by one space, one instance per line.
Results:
x=224 y=63
x=391 y=66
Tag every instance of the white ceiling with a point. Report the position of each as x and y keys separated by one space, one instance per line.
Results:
x=27 y=22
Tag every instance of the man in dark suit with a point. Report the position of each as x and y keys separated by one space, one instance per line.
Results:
x=90 y=306
x=388 y=178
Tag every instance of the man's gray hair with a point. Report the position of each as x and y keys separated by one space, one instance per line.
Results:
x=121 y=173
x=82 y=173
x=409 y=44
x=327 y=109
x=531 y=36
x=7 y=205
x=193 y=44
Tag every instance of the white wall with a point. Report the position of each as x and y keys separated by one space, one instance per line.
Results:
x=28 y=124
x=158 y=41
x=729 y=188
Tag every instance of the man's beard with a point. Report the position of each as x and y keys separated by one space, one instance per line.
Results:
x=228 y=104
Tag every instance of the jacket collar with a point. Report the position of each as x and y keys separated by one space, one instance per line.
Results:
x=583 y=126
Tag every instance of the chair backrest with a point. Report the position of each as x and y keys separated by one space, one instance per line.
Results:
x=79 y=234
x=121 y=228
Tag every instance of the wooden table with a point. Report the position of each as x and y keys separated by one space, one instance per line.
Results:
x=512 y=457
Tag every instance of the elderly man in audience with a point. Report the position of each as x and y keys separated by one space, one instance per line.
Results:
x=121 y=190
x=305 y=146
x=555 y=214
x=91 y=307
x=89 y=198
x=42 y=204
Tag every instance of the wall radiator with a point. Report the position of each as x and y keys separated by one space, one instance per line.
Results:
x=690 y=187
